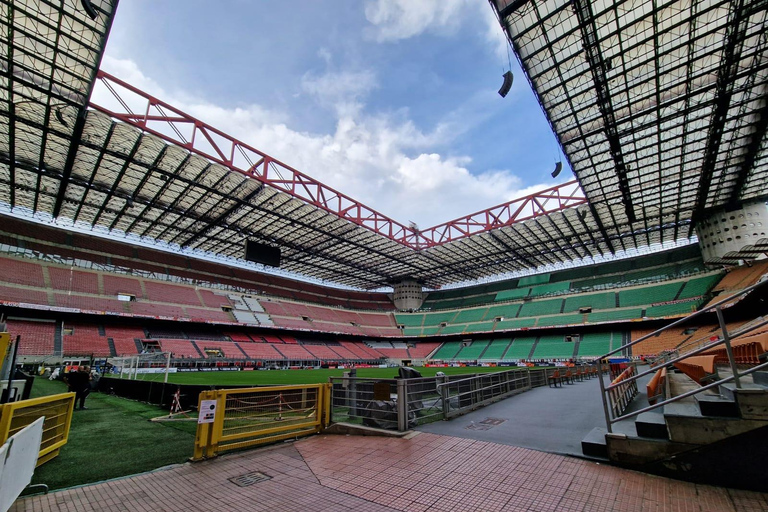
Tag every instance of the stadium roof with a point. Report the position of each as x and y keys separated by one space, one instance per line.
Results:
x=138 y=166
x=660 y=106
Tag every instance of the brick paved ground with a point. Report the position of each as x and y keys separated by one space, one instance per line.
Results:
x=370 y=474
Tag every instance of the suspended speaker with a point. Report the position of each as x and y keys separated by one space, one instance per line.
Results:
x=88 y=7
x=558 y=168
x=507 y=85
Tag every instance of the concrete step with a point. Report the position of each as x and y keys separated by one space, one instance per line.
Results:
x=760 y=378
x=594 y=444
x=686 y=424
x=716 y=405
x=751 y=398
x=652 y=425
x=635 y=450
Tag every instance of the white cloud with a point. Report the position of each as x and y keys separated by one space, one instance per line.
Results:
x=382 y=160
x=402 y=19
x=344 y=91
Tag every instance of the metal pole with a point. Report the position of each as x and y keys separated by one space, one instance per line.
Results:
x=444 y=396
x=402 y=405
x=11 y=373
x=728 y=349
x=167 y=366
x=602 y=395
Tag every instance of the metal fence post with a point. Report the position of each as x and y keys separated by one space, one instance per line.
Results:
x=608 y=425
x=402 y=405
x=444 y=396
x=728 y=349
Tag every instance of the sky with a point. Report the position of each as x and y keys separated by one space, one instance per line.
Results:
x=392 y=102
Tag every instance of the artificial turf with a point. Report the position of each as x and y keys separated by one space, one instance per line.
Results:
x=113 y=437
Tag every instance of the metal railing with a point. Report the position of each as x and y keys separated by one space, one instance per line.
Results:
x=232 y=419
x=401 y=404
x=57 y=411
x=726 y=337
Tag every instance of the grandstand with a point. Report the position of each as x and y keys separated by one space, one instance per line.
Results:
x=103 y=253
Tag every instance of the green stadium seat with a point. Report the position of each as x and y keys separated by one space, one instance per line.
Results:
x=480 y=327
x=699 y=286
x=595 y=301
x=560 y=320
x=473 y=351
x=520 y=348
x=649 y=294
x=453 y=329
x=517 y=293
x=596 y=344
x=612 y=316
x=470 y=315
x=518 y=323
x=410 y=319
x=531 y=280
x=496 y=349
x=553 y=347
x=447 y=351
x=541 y=307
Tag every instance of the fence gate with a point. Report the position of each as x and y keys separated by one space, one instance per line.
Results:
x=232 y=419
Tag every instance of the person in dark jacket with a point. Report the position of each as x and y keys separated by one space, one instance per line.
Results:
x=80 y=383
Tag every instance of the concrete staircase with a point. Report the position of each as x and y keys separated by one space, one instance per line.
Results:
x=717 y=436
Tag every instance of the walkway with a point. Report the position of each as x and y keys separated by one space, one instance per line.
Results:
x=548 y=419
x=426 y=472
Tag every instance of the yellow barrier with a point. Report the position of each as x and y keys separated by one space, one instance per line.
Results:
x=57 y=410
x=253 y=416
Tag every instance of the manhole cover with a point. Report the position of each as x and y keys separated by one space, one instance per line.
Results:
x=250 y=478
x=486 y=424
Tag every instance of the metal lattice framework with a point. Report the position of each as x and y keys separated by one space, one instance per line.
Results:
x=660 y=108
x=659 y=105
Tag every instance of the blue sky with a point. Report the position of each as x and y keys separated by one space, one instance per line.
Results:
x=393 y=102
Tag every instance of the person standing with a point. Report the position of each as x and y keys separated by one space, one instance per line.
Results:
x=80 y=383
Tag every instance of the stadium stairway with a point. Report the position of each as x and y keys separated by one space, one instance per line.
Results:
x=715 y=437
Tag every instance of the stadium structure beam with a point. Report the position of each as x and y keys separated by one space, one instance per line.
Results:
x=553 y=199
x=598 y=68
x=734 y=38
x=756 y=142
x=176 y=127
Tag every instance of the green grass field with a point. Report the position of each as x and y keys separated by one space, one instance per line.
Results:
x=112 y=438
x=286 y=377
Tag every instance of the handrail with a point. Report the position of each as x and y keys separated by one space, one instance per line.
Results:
x=687 y=393
x=724 y=339
x=699 y=350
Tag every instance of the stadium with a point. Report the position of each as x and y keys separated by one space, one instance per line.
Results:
x=625 y=307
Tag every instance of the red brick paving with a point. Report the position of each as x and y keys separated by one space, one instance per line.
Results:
x=425 y=473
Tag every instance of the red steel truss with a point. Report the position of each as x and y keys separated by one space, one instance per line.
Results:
x=137 y=108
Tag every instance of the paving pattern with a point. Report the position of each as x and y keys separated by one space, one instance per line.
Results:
x=425 y=472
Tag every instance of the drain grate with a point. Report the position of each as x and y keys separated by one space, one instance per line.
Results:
x=486 y=424
x=251 y=478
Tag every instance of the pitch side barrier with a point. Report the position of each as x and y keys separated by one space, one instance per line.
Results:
x=234 y=419
x=57 y=411
x=401 y=404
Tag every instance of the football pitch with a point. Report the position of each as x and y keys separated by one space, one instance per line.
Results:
x=286 y=377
